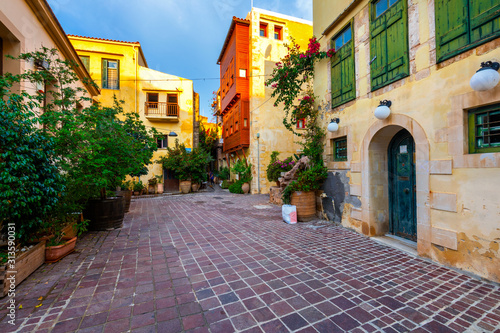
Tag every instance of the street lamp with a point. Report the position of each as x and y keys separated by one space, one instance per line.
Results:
x=333 y=126
x=172 y=134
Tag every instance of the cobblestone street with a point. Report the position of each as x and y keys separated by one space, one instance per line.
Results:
x=217 y=262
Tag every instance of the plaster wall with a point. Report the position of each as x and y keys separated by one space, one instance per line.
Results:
x=265 y=118
x=136 y=80
x=22 y=32
x=458 y=212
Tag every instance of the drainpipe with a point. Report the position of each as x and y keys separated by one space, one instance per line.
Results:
x=136 y=55
x=258 y=163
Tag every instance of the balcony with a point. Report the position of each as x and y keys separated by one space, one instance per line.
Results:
x=161 y=111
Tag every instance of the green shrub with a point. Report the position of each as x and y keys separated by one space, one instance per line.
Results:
x=224 y=173
x=236 y=187
x=225 y=184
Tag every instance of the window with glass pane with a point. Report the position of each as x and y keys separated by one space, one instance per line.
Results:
x=484 y=129
x=343 y=81
x=162 y=141
x=110 y=74
x=339 y=149
x=86 y=62
x=263 y=30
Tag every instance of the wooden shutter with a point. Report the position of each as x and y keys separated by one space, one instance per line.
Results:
x=389 y=45
x=104 y=74
x=484 y=19
x=343 y=76
x=451 y=27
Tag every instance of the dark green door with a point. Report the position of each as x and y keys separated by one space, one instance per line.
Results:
x=402 y=194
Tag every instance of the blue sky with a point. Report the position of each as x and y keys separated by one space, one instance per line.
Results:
x=179 y=37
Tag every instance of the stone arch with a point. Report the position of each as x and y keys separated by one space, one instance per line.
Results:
x=374 y=187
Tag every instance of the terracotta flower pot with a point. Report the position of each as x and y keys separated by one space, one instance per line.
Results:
x=185 y=186
x=195 y=187
x=56 y=253
x=159 y=188
x=245 y=188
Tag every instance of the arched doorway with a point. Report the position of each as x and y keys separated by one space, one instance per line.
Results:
x=402 y=186
x=375 y=212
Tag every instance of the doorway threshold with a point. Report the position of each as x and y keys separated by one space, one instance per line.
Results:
x=399 y=243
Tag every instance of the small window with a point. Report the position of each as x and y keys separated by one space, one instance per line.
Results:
x=484 y=129
x=278 y=33
x=343 y=38
x=236 y=127
x=86 y=62
x=245 y=123
x=382 y=5
x=243 y=72
x=152 y=97
x=263 y=30
x=339 y=149
x=231 y=130
x=301 y=123
x=110 y=74
x=162 y=141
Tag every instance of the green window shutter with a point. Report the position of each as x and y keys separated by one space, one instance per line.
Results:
x=104 y=74
x=484 y=19
x=342 y=73
x=452 y=27
x=389 y=45
x=118 y=75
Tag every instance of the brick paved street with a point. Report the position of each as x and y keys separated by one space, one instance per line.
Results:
x=213 y=262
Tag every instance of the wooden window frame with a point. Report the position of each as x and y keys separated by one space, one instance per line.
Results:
x=377 y=30
x=303 y=120
x=85 y=63
x=263 y=27
x=473 y=127
x=334 y=144
x=334 y=62
x=442 y=55
x=162 y=141
x=105 y=74
x=278 y=30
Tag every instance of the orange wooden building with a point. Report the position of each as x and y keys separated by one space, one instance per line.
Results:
x=234 y=87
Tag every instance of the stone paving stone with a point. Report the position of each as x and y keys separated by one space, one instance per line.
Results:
x=198 y=264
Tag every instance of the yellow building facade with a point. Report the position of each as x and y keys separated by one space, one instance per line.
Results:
x=267 y=32
x=428 y=173
x=163 y=101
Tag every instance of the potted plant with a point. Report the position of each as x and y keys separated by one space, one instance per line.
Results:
x=187 y=166
x=138 y=187
x=244 y=175
x=152 y=185
x=159 y=185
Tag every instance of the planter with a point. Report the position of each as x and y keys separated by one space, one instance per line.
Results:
x=245 y=188
x=127 y=194
x=151 y=189
x=105 y=214
x=185 y=186
x=56 y=253
x=26 y=264
x=306 y=205
x=160 y=188
x=69 y=231
x=195 y=187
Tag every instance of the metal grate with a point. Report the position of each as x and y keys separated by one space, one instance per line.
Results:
x=340 y=149
x=487 y=131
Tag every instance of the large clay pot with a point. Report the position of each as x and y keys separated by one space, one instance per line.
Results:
x=306 y=205
x=185 y=186
x=195 y=187
x=105 y=214
x=159 y=188
x=245 y=188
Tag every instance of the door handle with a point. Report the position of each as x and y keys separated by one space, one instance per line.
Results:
x=406 y=190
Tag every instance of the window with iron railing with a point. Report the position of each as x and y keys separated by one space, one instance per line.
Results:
x=484 y=129
x=339 y=146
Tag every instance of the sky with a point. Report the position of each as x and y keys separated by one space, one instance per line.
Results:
x=178 y=37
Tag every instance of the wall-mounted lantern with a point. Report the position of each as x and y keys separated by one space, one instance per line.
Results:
x=486 y=77
x=382 y=111
x=333 y=126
